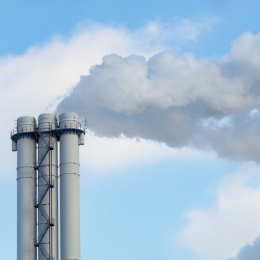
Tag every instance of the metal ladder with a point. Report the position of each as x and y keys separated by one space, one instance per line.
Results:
x=38 y=202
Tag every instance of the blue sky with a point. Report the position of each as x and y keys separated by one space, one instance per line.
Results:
x=35 y=22
x=170 y=165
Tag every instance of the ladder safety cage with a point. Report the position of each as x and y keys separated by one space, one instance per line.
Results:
x=42 y=190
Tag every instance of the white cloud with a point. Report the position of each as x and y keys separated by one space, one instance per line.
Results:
x=187 y=30
x=220 y=231
x=178 y=32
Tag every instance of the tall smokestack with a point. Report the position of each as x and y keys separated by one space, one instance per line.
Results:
x=37 y=186
x=70 y=139
x=25 y=139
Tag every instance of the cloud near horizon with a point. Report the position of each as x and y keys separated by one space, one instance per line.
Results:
x=226 y=228
x=178 y=100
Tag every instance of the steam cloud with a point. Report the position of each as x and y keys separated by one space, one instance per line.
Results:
x=181 y=101
x=249 y=252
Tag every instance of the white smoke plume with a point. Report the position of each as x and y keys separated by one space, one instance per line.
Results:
x=249 y=251
x=178 y=100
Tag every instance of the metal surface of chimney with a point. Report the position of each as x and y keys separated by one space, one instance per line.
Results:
x=69 y=186
x=47 y=201
x=37 y=186
x=26 y=157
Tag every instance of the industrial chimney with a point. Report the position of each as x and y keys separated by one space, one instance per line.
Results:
x=38 y=184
